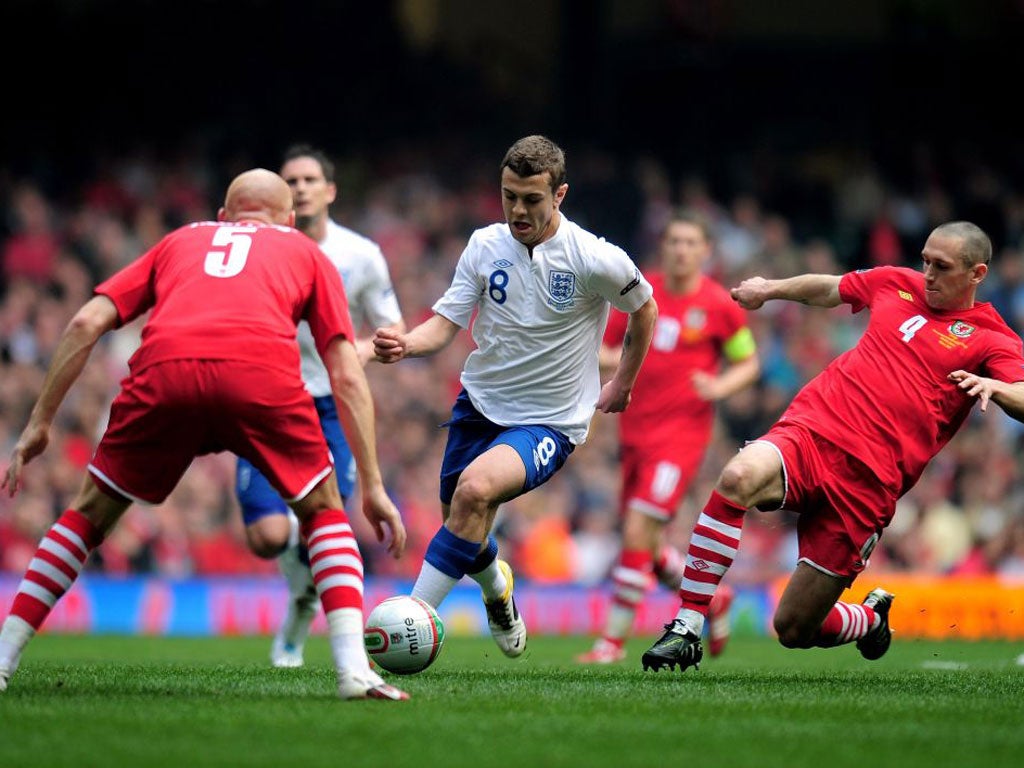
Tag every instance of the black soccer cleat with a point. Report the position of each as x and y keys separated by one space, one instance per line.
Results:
x=876 y=642
x=678 y=646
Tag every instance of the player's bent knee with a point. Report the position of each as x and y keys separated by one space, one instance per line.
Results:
x=793 y=634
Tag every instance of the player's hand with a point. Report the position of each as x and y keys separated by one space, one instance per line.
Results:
x=384 y=517
x=751 y=293
x=613 y=398
x=389 y=346
x=705 y=385
x=974 y=385
x=32 y=442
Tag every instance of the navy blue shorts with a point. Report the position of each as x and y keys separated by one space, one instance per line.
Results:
x=542 y=449
x=257 y=496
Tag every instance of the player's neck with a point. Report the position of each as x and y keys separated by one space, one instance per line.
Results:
x=681 y=286
x=316 y=228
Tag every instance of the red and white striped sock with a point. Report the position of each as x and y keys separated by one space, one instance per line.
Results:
x=631 y=579
x=845 y=623
x=713 y=546
x=337 y=568
x=59 y=559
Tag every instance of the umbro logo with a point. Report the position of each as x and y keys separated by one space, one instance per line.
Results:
x=701 y=565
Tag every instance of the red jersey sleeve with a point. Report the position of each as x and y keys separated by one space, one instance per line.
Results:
x=615 y=331
x=131 y=288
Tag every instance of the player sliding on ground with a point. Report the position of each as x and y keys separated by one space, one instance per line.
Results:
x=855 y=439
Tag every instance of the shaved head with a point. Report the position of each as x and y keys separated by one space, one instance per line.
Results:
x=260 y=195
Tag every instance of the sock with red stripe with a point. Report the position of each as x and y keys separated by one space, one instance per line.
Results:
x=337 y=568
x=713 y=546
x=845 y=623
x=631 y=579
x=59 y=559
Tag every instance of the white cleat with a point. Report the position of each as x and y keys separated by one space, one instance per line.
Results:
x=507 y=627
x=367 y=685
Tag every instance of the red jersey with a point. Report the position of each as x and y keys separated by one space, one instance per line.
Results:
x=690 y=334
x=887 y=401
x=230 y=291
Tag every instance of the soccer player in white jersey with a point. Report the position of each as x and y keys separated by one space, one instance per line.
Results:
x=271 y=528
x=541 y=288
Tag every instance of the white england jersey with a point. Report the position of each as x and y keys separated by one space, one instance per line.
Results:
x=371 y=297
x=539 y=322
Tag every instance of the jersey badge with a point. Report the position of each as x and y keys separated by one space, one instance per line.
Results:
x=696 y=319
x=503 y=263
x=906 y=296
x=561 y=286
x=960 y=329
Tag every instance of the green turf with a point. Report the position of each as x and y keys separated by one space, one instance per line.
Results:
x=113 y=701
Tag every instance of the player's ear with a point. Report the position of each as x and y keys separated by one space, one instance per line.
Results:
x=560 y=193
x=222 y=214
x=978 y=272
x=332 y=192
x=291 y=218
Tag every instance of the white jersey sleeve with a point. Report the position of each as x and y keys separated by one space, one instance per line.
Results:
x=371 y=296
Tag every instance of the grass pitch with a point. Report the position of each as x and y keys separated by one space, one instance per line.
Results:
x=123 y=701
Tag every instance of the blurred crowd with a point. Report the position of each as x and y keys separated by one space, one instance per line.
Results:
x=824 y=213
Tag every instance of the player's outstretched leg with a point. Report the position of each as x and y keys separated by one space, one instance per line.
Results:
x=507 y=627
x=303 y=604
x=876 y=642
x=680 y=645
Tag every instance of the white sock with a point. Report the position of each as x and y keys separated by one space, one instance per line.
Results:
x=693 y=620
x=432 y=586
x=345 y=628
x=14 y=636
x=491 y=580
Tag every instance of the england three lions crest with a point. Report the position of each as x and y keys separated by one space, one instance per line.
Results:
x=562 y=287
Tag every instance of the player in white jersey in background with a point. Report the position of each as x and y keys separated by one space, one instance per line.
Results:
x=541 y=288
x=271 y=528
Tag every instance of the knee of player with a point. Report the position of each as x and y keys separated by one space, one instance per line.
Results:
x=739 y=482
x=791 y=633
x=266 y=541
x=474 y=494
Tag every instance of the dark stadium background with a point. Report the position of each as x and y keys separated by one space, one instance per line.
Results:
x=700 y=83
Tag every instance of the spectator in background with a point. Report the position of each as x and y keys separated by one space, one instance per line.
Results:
x=537 y=289
x=702 y=352
x=855 y=439
x=192 y=392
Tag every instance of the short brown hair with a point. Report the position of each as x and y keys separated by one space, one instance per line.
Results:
x=691 y=216
x=534 y=155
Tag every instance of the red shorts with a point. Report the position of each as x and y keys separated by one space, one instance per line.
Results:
x=171 y=412
x=842 y=505
x=654 y=480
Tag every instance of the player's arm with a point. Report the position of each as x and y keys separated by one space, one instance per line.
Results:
x=96 y=317
x=615 y=394
x=356 y=414
x=365 y=344
x=425 y=339
x=742 y=369
x=812 y=290
x=1007 y=395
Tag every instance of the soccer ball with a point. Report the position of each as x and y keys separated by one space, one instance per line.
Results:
x=403 y=635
